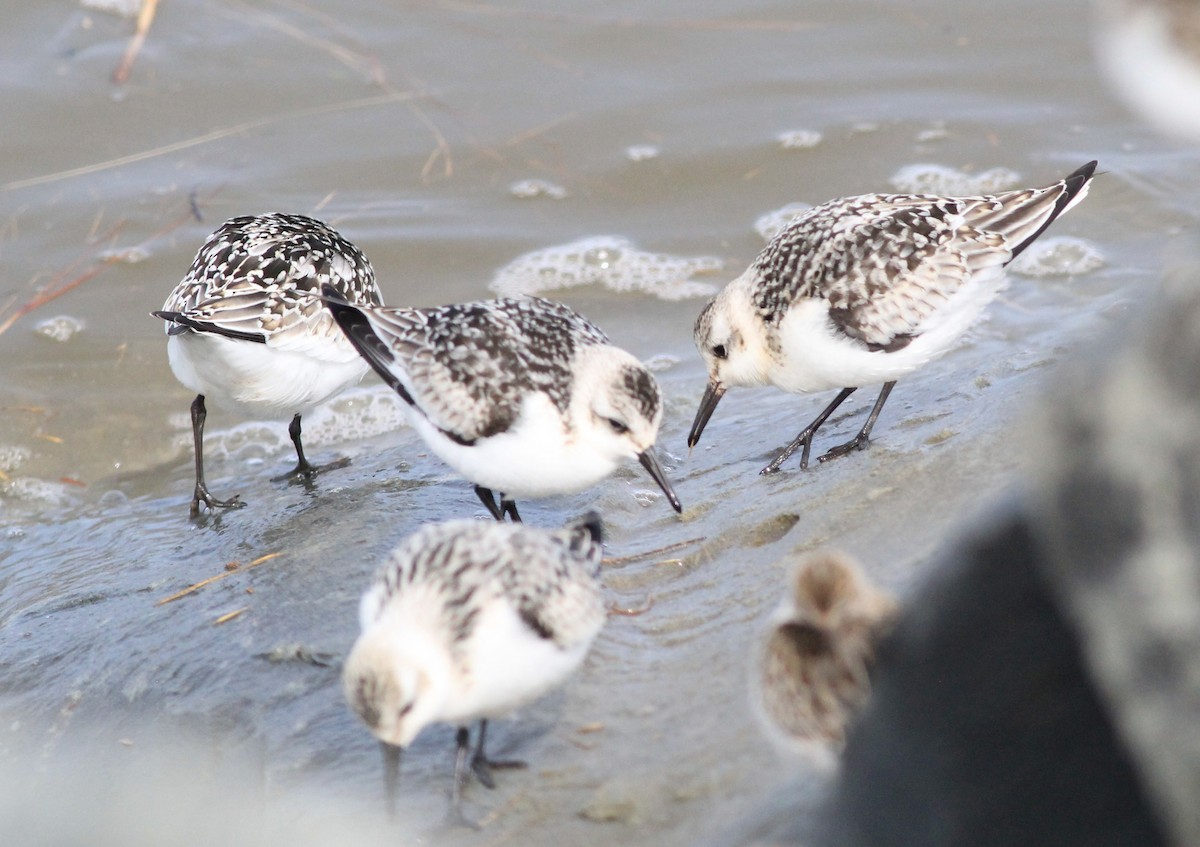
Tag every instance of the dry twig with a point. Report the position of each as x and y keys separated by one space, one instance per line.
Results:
x=228 y=616
x=145 y=18
x=192 y=589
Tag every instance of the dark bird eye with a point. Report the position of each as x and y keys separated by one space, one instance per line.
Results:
x=719 y=351
x=618 y=427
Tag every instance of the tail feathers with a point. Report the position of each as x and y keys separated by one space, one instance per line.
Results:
x=1069 y=192
x=1020 y=217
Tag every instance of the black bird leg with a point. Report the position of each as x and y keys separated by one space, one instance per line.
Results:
x=497 y=509
x=200 y=493
x=455 y=817
x=509 y=507
x=804 y=439
x=304 y=470
x=482 y=766
x=860 y=441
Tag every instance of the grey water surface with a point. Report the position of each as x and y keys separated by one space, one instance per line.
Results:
x=447 y=139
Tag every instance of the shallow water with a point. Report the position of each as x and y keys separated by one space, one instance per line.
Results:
x=416 y=130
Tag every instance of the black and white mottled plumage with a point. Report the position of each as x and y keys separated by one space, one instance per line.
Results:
x=865 y=290
x=812 y=673
x=521 y=396
x=246 y=326
x=468 y=620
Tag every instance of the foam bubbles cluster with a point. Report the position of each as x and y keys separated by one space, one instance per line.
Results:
x=12 y=456
x=363 y=412
x=358 y=413
x=939 y=179
x=799 y=139
x=59 y=328
x=529 y=188
x=1058 y=256
x=612 y=262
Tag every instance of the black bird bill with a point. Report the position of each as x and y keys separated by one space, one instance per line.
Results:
x=708 y=405
x=650 y=463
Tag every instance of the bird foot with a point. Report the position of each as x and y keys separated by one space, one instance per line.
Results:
x=482 y=767
x=805 y=441
x=305 y=472
x=859 y=442
x=201 y=495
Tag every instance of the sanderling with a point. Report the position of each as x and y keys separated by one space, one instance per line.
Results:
x=813 y=671
x=467 y=621
x=523 y=397
x=865 y=290
x=246 y=327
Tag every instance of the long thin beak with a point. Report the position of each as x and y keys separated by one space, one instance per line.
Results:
x=391 y=776
x=650 y=463
x=712 y=396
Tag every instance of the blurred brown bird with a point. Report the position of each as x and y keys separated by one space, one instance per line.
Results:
x=814 y=670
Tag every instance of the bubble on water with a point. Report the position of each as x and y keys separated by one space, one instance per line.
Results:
x=799 y=139
x=940 y=179
x=362 y=412
x=29 y=489
x=641 y=152
x=528 y=188
x=605 y=260
x=113 y=499
x=59 y=328
x=12 y=456
x=773 y=223
x=248 y=442
x=1058 y=256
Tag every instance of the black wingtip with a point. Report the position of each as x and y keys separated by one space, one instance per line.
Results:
x=357 y=328
x=348 y=317
x=1079 y=178
x=329 y=292
x=1086 y=171
x=1074 y=183
x=594 y=525
x=181 y=323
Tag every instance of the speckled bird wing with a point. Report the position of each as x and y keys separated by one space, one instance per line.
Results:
x=884 y=263
x=887 y=262
x=256 y=277
x=468 y=367
x=549 y=579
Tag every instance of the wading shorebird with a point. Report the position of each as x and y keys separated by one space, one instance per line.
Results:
x=466 y=621
x=813 y=669
x=246 y=327
x=866 y=290
x=523 y=397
